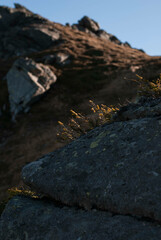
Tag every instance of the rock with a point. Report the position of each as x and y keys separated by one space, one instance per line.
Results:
x=141 y=50
x=107 y=36
x=23 y=32
x=34 y=219
x=103 y=34
x=144 y=107
x=27 y=81
x=126 y=44
x=19 y=6
x=115 y=167
x=82 y=29
x=88 y=23
x=67 y=24
x=91 y=27
x=59 y=58
x=115 y=40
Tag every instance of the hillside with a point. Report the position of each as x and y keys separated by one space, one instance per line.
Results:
x=88 y=64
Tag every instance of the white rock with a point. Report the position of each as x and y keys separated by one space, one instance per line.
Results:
x=27 y=81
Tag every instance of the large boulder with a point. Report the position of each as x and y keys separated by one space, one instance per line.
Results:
x=87 y=25
x=115 y=167
x=104 y=185
x=23 y=32
x=35 y=219
x=27 y=81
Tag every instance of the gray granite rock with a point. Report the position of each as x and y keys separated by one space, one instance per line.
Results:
x=115 y=167
x=27 y=81
x=143 y=107
x=26 y=218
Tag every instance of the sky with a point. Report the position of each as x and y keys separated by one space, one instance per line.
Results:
x=135 y=21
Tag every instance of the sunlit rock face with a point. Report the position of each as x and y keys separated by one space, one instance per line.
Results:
x=27 y=81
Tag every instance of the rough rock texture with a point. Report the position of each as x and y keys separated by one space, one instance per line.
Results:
x=22 y=32
x=27 y=80
x=26 y=218
x=143 y=107
x=115 y=167
x=104 y=185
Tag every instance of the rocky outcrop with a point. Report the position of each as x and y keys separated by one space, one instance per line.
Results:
x=22 y=32
x=27 y=81
x=91 y=27
x=88 y=23
x=103 y=185
x=33 y=219
x=110 y=169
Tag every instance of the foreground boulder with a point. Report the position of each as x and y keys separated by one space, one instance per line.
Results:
x=26 y=218
x=115 y=167
x=27 y=81
x=104 y=185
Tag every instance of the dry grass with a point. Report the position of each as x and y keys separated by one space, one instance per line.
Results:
x=25 y=192
x=149 y=88
x=14 y=192
x=80 y=124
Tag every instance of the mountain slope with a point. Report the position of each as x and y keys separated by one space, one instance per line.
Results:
x=98 y=69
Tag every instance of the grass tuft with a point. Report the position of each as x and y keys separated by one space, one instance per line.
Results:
x=149 y=88
x=80 y=124
x=14 y=192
